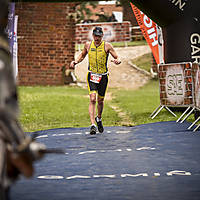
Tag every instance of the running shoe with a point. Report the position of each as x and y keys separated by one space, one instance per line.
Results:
x=99 y=125
x=93 y=130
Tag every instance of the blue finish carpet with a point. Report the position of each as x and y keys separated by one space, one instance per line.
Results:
x=158 y=161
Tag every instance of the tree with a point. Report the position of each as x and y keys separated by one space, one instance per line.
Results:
x=83 y=11
x=127 y=11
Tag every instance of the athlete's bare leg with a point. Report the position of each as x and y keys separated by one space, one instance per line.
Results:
x=92 y=104
x=100 y=106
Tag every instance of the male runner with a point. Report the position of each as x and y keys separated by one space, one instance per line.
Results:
x=97 y=78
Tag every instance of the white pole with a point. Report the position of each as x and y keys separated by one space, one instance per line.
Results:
x=15 y=49
x=160 y=45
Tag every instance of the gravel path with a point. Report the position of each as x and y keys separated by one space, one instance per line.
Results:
x=123 y=75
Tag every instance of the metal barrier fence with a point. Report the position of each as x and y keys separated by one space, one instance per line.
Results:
x=179 y=85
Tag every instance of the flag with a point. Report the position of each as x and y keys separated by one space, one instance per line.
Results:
x=150 y=32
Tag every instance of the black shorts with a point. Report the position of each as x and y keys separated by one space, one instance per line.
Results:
x=94 y=86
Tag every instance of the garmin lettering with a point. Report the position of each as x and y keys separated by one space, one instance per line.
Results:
x=139 y=175
x=180 y=4
x=195 y=47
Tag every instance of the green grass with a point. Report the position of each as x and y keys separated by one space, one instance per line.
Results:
x=132 y=43
x=64 y=106
x=139 y=104
x=57 y=107
x=143 y=62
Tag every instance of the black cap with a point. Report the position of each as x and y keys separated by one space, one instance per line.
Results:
x=98 y=31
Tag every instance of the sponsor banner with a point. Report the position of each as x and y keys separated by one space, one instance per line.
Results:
x=150 y=32
x=160 y=45
x=10 y=27
x=11 y=31
x=166 y=12
x=196 y=75
x=15 y=48
x=176 y=84
x=195 y=47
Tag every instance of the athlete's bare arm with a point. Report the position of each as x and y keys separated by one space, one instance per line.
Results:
x=109 y=48
x=81 y=56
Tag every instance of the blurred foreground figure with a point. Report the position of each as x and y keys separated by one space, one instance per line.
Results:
x=17 y=150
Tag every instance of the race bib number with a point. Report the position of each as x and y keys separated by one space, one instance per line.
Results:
x=95 y=78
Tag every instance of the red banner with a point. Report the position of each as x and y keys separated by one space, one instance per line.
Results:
x=149 y=30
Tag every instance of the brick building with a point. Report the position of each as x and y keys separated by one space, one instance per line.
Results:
x=46 y=42
x=113 y=31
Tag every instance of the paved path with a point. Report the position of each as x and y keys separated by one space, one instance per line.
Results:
x=158 y=161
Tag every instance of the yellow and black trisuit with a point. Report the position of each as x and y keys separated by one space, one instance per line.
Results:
x=97 y=77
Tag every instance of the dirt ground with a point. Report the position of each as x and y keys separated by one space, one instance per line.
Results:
x=120 y=76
